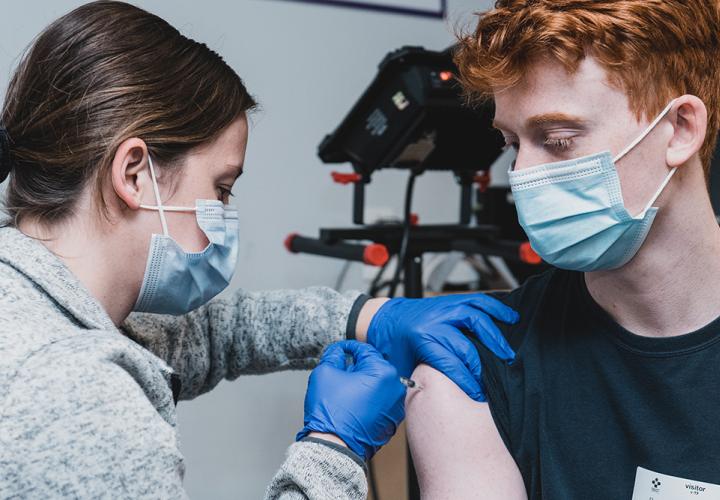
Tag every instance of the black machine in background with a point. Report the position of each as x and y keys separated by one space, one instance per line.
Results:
x=413 y=116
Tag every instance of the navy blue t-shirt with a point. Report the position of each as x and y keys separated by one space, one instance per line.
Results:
x=587 y=402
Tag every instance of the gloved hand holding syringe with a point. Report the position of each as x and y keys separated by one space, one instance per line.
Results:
x=356 y=395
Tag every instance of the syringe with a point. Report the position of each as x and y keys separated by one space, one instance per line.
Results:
x=410 y=383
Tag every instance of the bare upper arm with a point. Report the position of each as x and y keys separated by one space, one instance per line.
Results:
x=457 y=450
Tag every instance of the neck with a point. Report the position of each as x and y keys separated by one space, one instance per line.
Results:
x=671 y=286
x=91 y=254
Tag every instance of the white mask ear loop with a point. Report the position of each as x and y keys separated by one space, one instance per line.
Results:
x=642 y=136
x=657 y=193
x=637 y=141
x=159 y=207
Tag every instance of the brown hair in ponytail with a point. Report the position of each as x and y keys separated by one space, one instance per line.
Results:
x=103 y=73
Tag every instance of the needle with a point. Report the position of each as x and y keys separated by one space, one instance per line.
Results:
x=410 y=383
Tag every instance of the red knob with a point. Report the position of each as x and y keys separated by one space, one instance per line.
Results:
x=528 y=255
x=483 y=179
x=376 y=255
x=341 y=178
x=288 y=242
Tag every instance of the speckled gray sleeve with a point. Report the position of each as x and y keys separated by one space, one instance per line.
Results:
x=314 y=471
x=83 y=418
x=245 y=333
x=87 y=411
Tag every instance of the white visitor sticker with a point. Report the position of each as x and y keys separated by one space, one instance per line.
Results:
x=651 y=485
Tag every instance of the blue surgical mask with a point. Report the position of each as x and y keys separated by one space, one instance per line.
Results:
x=573 y=211
x=175 y=281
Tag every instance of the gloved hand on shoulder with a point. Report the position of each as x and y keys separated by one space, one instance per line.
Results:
x=412 y=331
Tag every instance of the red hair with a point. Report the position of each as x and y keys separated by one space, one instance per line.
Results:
x=654 y=50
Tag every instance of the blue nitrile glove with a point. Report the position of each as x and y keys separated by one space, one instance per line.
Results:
x=412 y=331
x=361 y=403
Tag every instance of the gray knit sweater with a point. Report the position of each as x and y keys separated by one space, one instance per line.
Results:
x=88 y=410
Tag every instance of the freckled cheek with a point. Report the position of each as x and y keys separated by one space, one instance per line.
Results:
x=629 y=189
x=200 y=241
x=640 y=177
x=185 y=231
x=183 y=226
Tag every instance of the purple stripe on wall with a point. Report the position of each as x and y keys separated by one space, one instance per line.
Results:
x=382 y=8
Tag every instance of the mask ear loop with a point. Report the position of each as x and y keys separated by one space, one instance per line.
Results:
x=642 y=136
x=657 y=193
x=637 y=141
x=159 y=206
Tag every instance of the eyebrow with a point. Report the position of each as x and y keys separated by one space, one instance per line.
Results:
x=554 y=118
x=537 y=121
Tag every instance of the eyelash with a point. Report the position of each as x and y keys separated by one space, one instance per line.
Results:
x=225 y=192
x=562 y=144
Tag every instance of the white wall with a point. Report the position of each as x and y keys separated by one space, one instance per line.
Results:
x=306 y=64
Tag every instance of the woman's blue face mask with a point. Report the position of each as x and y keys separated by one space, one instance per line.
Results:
x=175 y=281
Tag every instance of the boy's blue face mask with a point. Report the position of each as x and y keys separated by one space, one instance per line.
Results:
x=573 y=211
x=175 y=281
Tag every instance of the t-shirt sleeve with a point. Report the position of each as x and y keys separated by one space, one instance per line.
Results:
x=495 y=374
x=494 y=387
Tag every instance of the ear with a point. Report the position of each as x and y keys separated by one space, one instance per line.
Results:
x=689 y=121
x=129 y=172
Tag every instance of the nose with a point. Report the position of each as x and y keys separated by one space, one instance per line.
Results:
x=523 y=159
x=528 y=157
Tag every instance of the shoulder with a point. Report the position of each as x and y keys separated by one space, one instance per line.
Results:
x=30 y=321
x=457 y=449
x=539 y=302
x=541 y=295
x=549 y=284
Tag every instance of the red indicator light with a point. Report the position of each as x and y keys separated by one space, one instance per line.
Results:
x=446 y=76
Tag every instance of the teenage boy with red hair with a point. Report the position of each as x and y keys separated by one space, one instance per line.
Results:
x=613 y=108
